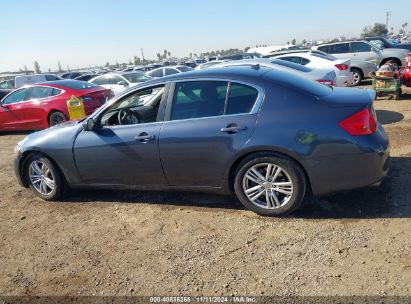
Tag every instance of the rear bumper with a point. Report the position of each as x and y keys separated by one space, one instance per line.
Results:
x=368 y=166
x=344 y=80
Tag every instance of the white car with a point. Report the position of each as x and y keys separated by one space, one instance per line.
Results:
x=168 y=70
x=22 y=80
x=316 y=59
x=118 y=82
x=209 y=64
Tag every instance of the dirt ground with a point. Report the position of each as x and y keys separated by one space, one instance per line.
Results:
x=164 y=243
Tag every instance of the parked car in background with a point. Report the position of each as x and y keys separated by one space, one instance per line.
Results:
x=239 y=130
x=86 y=77
x=118 y=82
x=22 y=80
x=6 y=86
x=143 y=68
x=365 y=58
x=168 y=70
x=407 y=71
x=393 y=54
x=241 y=56
x=39 y=106
x=317 y=59
x=384 y=43
x=209 y=64
x=71 y=75
x=324 y=76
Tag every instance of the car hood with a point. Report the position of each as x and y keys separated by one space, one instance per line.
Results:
x=406 y=46
x=64 y=132
x=395 y=52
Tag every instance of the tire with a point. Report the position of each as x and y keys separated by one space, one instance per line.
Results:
x=56 y=118
x=396 y=64
x=43 y=177
x=357 y=76
x=269 y=200
x=398 y=94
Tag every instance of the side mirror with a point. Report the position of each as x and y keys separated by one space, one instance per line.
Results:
x=123 y=83
x=89 y=125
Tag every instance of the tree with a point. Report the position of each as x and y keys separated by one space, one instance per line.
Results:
x=107 y=64
x=25 y=70
x=36 y=67
x=165 y=54
x=246 y=49
x=293 y=42
x=379 y=29
x=159 y=56
x=169 y=54
x=60 y=69
x=304 y=42
x=191 y=55
x=137 y=60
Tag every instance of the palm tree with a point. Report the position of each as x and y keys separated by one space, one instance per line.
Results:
x=169 y=54
x=159 y=56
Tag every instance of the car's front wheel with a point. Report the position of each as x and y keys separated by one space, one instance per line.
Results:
x=269 y=184
x=43 y=177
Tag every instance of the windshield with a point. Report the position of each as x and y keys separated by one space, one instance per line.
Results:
x=135 y=77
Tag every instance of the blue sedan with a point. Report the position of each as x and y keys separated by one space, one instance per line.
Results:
x=267 y=136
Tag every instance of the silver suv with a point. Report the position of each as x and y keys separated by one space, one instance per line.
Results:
x=365 y=58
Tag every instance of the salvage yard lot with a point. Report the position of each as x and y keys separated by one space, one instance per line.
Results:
x=173 y=243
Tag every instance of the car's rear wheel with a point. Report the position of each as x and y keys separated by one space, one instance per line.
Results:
x=269 y=184
x=56 y=118
x=357 y=76
x=43 y=177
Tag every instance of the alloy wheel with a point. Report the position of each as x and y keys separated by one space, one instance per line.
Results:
x=268 y=186
x=57 y=118
x=356 y=78
x=41 y=177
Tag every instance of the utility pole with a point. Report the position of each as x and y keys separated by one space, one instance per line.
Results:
x=388 y=15
x=142 y=54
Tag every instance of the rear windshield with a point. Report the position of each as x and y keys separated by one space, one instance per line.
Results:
x=291 y=65
x=295 y=81
x=72 y=84
x=135 y=77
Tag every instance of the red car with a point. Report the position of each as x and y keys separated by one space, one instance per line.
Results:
x=407 y=71
x=42 y=105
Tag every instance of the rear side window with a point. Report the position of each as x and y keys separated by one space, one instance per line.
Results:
x=195 y=99
x=241 y=99
x=360 y=47
x=115 y=79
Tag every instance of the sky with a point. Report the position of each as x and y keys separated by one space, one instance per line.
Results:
x=83 y=33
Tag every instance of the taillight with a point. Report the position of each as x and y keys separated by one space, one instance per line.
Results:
x=327 y=82
x=361 y=123
x=342 y=67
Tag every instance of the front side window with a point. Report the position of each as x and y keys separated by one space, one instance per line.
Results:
x=360 y=47
x=138 y=107
x=168 y=71
x=15 y=97
x=324 y=48
x=156 y=73
x=51 y=78
x=114 y=79
x=101 y=80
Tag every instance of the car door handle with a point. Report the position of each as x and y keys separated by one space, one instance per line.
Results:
x=144 y=137
x=233 y=129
